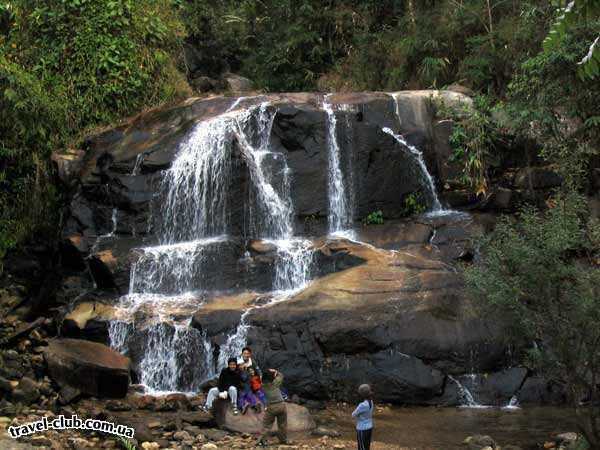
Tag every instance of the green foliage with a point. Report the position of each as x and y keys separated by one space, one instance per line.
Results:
x=374 y=218
x=548 y=102
x=473 y=139
x=569 y=16
x=29 y=120
x=413 y=204
x=66 y=66
x=541 y=275
x=106 y=59
x=126 y=444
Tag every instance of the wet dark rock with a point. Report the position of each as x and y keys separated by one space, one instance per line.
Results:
x=26 y=392
x=537 y=178
x=68 y=394
x=536 y=390
x=88 y=366
x=5 y=385
x=218 y=322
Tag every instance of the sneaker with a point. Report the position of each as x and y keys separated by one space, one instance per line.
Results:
x=235 y=411
x=204 y=408
x=262 y=443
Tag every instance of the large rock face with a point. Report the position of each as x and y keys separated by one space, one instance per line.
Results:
x=388 y=307
x=88 y=366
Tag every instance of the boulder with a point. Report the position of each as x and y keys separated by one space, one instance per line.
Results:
x=237 y=83
x=26 y=392
x=538 y=391
x=479 y=442
x=68 y=164
x=299 y=419
x=379 y=321
x=93 y=368
x=537 y=178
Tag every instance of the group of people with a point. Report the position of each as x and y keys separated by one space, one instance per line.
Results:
x=243 y=383
x=245 y=386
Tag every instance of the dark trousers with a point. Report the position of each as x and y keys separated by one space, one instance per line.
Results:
x=275 y=411
x=363 y=437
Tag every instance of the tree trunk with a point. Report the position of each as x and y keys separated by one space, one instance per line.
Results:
x=412 y=15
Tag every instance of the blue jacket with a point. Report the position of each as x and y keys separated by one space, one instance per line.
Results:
x=364 y=415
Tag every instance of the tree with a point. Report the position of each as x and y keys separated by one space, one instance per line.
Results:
x=570 y=15
x=541 y=274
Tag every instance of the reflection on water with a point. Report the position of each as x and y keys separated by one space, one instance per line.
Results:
x=446 y=428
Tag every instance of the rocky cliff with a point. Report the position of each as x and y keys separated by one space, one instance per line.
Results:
x=383 y=303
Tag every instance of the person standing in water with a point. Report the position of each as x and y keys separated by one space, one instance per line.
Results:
x=363 y=414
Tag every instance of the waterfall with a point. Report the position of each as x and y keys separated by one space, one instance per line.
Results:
x=138 y=164
x=191 y=222
x=437 y=208
x=171 y=356
x=274 y=208
x=110 y=234
x=340 y=207
x=513 y=403
x=418 y=157
x=173 y=268
x=467 y=399
x=193 y=193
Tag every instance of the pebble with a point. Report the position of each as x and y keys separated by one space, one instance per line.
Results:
x=209 y=446
x=182 y=436
x=150 y=446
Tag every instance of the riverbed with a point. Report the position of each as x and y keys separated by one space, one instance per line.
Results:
x=446 y=428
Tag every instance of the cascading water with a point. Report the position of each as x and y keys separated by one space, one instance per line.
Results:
x=193 y=191
x=340 y=207
x=437 y=209
x=138 y=164
x=173 y=268
x=292 y=267
x=467 y=399
x=418 y=157
x=191 y=224
x=512 y=404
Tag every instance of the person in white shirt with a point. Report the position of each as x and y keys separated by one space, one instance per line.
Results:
x=363 y=414
x=245 y=361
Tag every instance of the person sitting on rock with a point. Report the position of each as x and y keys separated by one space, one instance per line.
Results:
x=252 y=395
x=246 y=361
x=275 y=408
x=257 y=390
x=228 y=386
x=363 y=414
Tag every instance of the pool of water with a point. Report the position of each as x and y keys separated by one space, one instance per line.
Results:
x=446 y=428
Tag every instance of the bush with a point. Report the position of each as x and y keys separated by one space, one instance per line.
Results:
x=473 y=140
x=413 y=204
x=66 y=66
x=106 y=59
x=540 y=275
x=31 y=124
x=374 y=218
